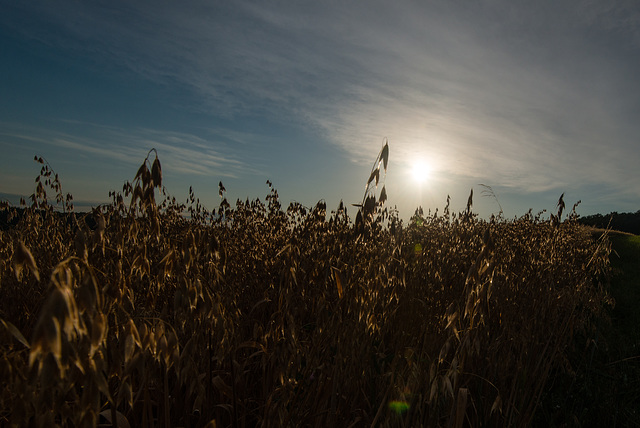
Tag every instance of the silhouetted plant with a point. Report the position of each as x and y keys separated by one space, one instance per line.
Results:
x=254 y=315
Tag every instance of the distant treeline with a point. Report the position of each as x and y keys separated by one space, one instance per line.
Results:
x=10 y=216
x=624 y=222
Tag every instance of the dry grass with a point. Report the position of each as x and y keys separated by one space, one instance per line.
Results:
x=170 y=315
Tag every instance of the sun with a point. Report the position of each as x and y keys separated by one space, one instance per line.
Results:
x=420 y=171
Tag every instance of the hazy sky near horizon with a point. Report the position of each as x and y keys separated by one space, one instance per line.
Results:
x=533 y=98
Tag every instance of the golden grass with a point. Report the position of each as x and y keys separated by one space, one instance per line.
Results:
x=170 y=315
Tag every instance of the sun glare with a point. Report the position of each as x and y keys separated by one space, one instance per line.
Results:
x=420 y=171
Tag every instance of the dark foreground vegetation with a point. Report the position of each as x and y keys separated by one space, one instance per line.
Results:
x=165 y=314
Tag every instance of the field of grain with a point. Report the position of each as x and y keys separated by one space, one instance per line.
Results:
x=166 y=314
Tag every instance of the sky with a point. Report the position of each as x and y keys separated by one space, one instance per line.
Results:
x=531 y=98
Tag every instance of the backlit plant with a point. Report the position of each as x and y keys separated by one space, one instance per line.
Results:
x=154 y=313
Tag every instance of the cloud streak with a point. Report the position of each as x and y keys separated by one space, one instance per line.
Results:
x=529 y=95
x=182 y=153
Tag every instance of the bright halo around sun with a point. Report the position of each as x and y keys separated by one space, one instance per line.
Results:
x=420 y=171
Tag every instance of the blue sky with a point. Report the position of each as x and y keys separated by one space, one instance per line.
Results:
x=532 y=98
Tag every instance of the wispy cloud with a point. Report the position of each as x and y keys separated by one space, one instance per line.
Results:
x=180 y=153
x=532 y=95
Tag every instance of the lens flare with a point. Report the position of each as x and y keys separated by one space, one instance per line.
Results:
x=399 y=406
